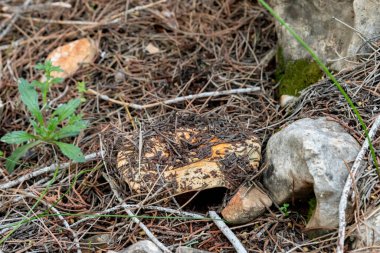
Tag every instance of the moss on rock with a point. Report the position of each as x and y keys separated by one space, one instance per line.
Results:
x=295 y=76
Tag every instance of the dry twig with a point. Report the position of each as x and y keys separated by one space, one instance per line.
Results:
x=157 y=208
x=134 y=219
x=175 y=100
x=227 y=232
x=347 y=187
x=44 y=170
x=36 y=7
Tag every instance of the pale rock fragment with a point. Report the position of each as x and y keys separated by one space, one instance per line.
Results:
x=246 y=205
x=71 y=56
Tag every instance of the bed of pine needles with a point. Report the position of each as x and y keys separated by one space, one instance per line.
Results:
x=204 y=46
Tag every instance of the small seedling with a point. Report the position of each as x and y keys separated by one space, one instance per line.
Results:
x=49 y=124
x=284 y=209
x=81 y=87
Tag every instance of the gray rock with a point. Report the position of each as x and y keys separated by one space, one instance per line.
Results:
x=329 y=38
x=367 y=233
x=311 y=155
x=119 y=77
x=144 y=246
x=246 y=205
x=189 y=250
x=367 y=21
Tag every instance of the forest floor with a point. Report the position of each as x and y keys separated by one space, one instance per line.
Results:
x=203 y=46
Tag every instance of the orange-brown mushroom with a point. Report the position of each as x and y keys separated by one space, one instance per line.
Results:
x=159 y=162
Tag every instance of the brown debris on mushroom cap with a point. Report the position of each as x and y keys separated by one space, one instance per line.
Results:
x=189 y=158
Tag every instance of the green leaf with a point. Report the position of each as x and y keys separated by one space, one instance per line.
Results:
x=17 y=137
x=17 y=154
x=38 y=129
x=56 y=80
x=37 y=84
x=48 y=67
x=71 y=151
x=74 y=118
x=55 y=69
x=29 y=97
x=71 y=130
x=66 y=110
x=40 y=66
x=81 y=87
x=52 y=124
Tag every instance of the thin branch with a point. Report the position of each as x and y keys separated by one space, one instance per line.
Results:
x=138 y=8
x=174 y=100
x=36 y=7
x=227 y=232
x=347 y=187
x=157 y=208
x=134 y=219
x=11 y=22
x=67 y=226
x=44 y=170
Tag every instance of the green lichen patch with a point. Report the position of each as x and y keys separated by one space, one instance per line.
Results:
x=295 y=76
x=312 y=206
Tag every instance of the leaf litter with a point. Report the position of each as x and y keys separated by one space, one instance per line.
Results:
x=204 y=46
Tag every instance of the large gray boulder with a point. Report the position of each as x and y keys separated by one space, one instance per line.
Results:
x=314 y=21
x=310 y=155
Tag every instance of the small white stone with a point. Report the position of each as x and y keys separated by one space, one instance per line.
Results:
x=144 y=246
x=286 y=99
x=183 y=249
x=152 y=49
x=119 y=77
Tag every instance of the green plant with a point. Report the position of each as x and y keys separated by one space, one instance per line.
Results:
x=312 y=203
x=50 y=125
x=285 y=209
x=330 y=75
x=81 y=87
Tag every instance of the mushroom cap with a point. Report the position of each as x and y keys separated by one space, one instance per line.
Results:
x=185 y=159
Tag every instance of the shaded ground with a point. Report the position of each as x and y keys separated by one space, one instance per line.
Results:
x=204 y=46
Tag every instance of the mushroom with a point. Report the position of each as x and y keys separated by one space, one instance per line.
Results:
x=188 y=159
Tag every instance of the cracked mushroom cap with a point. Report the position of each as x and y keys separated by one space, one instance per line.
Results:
x=188 y=159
